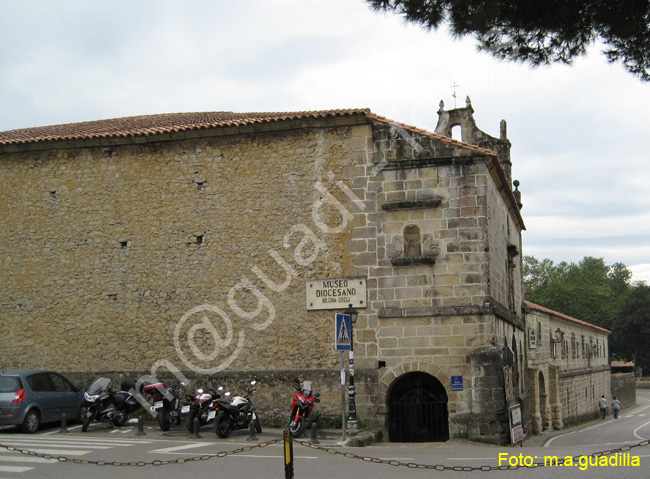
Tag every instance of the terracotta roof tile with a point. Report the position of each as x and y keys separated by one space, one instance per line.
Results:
x=622 y=364
x=542 y=309
x=158 y=124
x=163 y=123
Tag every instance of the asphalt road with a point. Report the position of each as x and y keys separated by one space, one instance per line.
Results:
x=103 y=443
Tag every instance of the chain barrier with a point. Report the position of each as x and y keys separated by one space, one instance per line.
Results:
x=328 y=450
x=440 y=467
x=158 y=462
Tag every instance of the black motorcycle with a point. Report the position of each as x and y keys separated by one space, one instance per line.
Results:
x=166 y=403
x=202 y=405
x=238 y=413
x=104 y=405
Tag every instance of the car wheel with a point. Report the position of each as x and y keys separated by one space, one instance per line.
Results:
x=31 y=422
x=222 y=425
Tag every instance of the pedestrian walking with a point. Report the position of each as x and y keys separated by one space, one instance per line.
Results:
x=616 y=407
x=602 y=405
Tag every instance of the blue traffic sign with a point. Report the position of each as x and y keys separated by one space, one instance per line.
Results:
x=343 y=332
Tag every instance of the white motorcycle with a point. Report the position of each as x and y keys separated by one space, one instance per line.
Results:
x=237 y=413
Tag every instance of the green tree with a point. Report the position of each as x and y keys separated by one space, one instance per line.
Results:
x=541 y=32
x=632 y=327
x=590 y=290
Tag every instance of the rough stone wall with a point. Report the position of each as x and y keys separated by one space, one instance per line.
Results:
x=122 y=251
x=579 y=394
x=574 y=378
x=108 y=251
x=624 y=388
x=432 y=313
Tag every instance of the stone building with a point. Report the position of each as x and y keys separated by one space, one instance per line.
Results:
x=183 y=243
x=568 y=368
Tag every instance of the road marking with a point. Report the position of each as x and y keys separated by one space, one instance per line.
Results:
x=15 y=469
x=470 y=458
x=268 y=457
x=22 y=458
x=64 y=445
x=60 y=452
x=169 y=450
x=636 y=435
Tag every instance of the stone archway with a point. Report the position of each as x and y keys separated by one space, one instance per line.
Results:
x=543 y=401
x=417 y=409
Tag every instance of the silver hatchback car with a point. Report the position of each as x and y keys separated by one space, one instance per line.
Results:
x=29 y=398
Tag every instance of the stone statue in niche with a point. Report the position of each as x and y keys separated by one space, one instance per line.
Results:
x=412 y=244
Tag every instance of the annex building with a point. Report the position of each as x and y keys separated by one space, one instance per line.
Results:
x=185 y=244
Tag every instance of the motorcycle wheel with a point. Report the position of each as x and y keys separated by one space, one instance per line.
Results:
x=119 y=420
x=258 y=426
x=297 y=428
x=81 y=414
x=222 y=425
x=179 y=418
x=86 y=421
x=189 y=420
x=164 y=419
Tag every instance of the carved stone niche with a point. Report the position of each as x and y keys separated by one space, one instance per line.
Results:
x=408 y=250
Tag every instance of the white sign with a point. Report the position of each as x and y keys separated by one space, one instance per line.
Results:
x=532 y=338
x=336 y=293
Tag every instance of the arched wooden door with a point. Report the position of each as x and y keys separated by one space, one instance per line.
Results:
x=417 y=409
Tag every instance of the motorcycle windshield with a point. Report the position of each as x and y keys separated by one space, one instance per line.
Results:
x=98 y=386
x=307 y=388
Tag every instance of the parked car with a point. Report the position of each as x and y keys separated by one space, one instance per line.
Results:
x=30 y=398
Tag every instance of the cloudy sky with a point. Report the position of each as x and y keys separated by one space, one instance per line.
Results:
x=579 y=134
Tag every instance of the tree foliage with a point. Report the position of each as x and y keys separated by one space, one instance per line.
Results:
x=599 y=294
x=543 y=31
x=590 y=290
x=632 y=329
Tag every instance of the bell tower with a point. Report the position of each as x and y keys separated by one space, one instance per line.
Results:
x=470 y=133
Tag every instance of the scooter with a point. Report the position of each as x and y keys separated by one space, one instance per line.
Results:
x=238 y=413
x=202 y=405
x=166 y=403
x=104 y=405
x=301 y=407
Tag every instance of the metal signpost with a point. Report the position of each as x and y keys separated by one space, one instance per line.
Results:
x=343 y=342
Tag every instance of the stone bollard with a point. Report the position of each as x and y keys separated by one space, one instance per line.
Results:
x=64 y=425
x=140 y=427
x=195 y=429
x=251 y=432
x=314 y=434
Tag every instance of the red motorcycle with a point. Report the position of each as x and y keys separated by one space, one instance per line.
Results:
x=301 y=407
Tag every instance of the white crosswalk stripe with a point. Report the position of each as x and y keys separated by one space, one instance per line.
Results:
x=69 y=446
